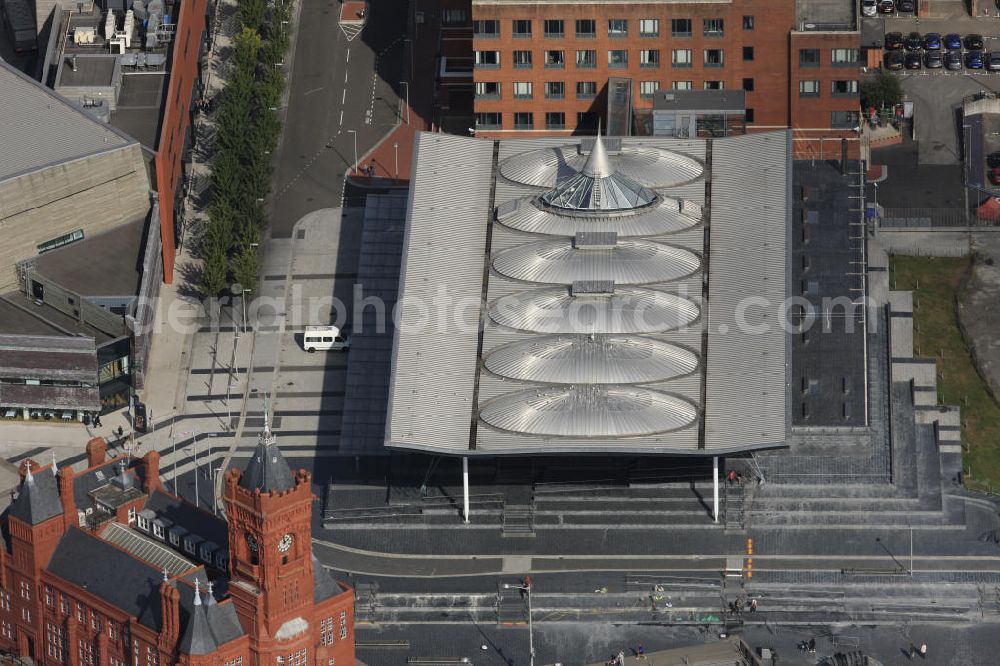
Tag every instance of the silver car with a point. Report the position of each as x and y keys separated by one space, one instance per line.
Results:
x=869 y=7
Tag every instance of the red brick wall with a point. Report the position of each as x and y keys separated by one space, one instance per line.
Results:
x=774 y=67
x=176 y=118
x=769 y=40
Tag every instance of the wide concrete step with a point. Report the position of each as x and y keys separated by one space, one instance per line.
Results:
x=843 y=518
x=620 y=521
x=828 y=490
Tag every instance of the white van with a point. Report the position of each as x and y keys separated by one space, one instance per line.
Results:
x=324 y=338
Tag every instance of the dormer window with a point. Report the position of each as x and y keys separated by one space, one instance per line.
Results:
x=131 y=515
x=175 y=539
x=189 y=546
x=158 y=530
x=142 y=522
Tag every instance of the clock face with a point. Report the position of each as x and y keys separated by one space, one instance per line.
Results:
x=252 y=543
x=285 y=543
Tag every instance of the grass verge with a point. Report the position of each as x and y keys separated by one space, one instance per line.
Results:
x=936 y=284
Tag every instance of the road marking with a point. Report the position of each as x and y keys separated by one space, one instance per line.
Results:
x=345 y=77
x=348 y=54
x=343 y=97
x=309 y=92
x=341 y=119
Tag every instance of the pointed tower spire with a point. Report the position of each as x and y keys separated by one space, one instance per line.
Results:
x=267 y=470
x=209 y=595
x=198 y=638
x=28 y=477
x=598 y=165
x=166 y=575
x=267 y=418
x=197 y=594
x=55 y=467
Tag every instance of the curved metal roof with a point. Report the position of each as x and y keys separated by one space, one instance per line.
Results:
x=590 y=359
x=598 y=186
x=589 y=411
x=647 y=166
x=628 y=262
x=666 y=217
x=628 y=310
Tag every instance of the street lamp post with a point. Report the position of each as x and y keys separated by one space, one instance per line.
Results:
x=407 y=84
x=193 y=452
x=173 y=438
x=395 y=152
x=355 y=133
x=215 y=478
x=531 y=636
x=243 y=301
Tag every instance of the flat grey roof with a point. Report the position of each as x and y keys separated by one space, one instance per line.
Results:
x=109 y=264
x=140 y=106
x=700 y=100
x=20 y=316
x=40 y=129
x=447 y=393
x=48 y=357
x=826 y=14
x=91 y=70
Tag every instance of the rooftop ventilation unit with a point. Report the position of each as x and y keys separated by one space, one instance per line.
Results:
x=593 y=288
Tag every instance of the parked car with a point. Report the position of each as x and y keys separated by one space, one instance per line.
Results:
x=953 y=60
x=994 y=175
x=869 y=7
x=886 y=6
x=913 y=60
x=893 y=41
x=906 y=6
x=10 y=413
x=974 y=59
x=993 y=160
x=953 y=41
x=913 y=42
x=893 y=60
x=974 y=43
x=993 y=61
x=932 y=41
x=933 y=60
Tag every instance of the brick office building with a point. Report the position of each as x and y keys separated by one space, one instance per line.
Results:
x=544 y=67
x=106 y=567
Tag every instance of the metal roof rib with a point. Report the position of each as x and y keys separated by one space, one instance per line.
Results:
x=146 y=549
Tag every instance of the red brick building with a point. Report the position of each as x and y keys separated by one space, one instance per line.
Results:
x=543 y=67
x=106 y=567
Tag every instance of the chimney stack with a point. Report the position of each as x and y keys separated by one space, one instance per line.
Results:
x=151 y=471
x=97 y=449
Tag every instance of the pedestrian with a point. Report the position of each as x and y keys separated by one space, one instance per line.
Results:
x=640 y=652
x=731 y=477
x=753 y=605
x=923 y=650
x=97 y=420
x=121 y=432
x=620 y=659
x=812 y=646
x=912 y=652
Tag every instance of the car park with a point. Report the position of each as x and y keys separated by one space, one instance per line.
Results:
x=974 y=42
x=933 y=60
x=993 y=61
x=974 y=59
x=913 y=60
x=913 y=42
x=953 y=60
x=893 y=41
x=869 y=7
x=906 y=6
x=893 y=60
x=953 y=41
x=932 y=41
x=886 y=6
x=993 y=160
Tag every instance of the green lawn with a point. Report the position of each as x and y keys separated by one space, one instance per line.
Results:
x=936 y=284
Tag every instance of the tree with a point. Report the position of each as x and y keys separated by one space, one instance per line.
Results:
x=214 y=270
x=880 y=90
x=245 y=266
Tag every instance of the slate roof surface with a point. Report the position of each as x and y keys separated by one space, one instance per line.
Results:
x=191 y=518
x=267 y=470
x=111 y=574
x=38 y=499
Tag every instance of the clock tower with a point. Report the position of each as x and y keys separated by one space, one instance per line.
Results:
x=269 y=511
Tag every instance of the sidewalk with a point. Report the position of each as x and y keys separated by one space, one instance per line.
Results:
x=415 y=116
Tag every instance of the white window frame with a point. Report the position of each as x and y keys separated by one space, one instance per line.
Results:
x=522 y=90
x=682 y=85
x=648 y=88
x=681 y=57
x=649 y=27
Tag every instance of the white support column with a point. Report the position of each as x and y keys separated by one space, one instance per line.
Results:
x=465 y=489
x=715 y=488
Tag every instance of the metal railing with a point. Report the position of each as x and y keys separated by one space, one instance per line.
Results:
x=932 y=217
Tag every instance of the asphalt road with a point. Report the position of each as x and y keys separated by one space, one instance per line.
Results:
x=334 y=85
